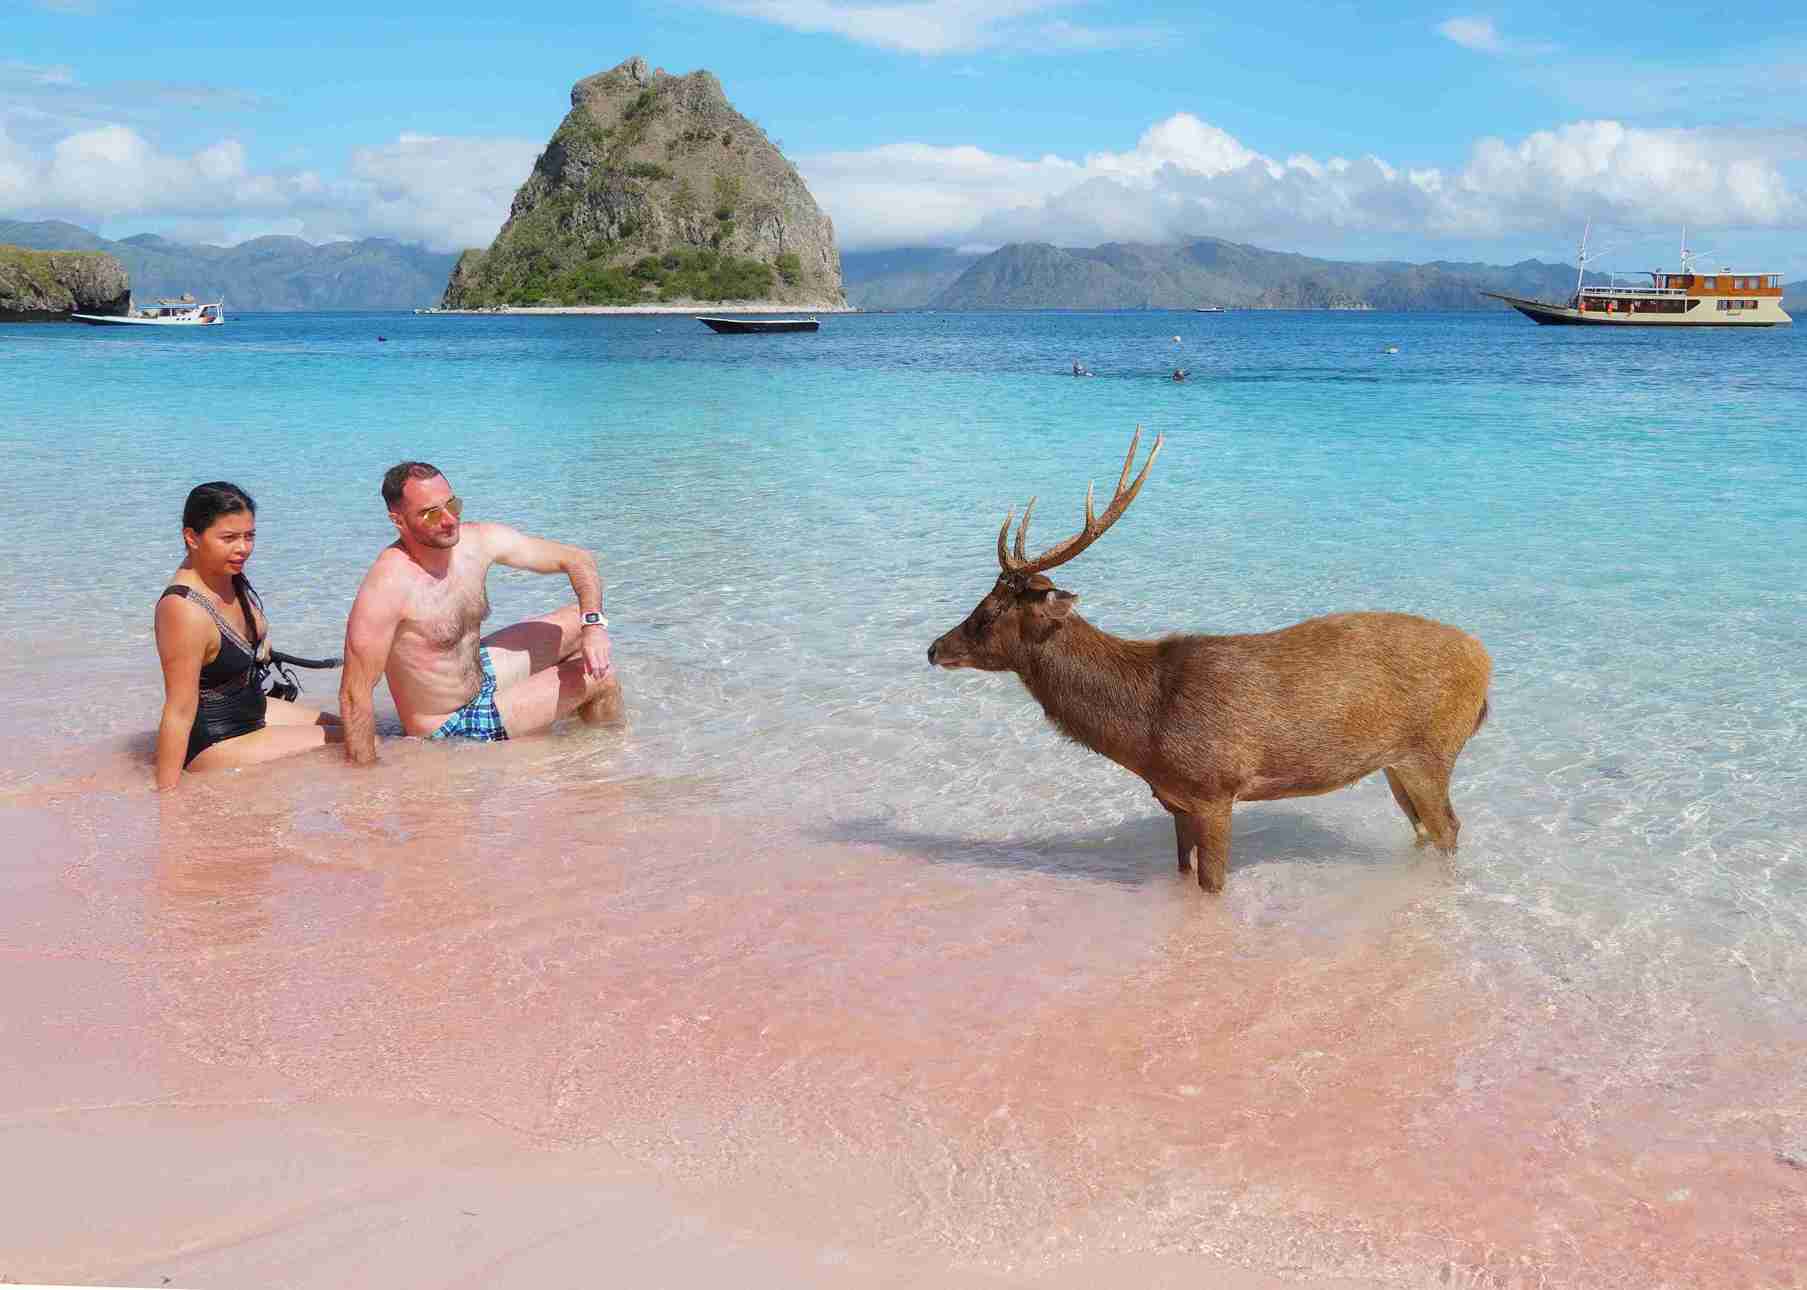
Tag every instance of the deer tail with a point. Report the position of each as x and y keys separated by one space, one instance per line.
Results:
x=1482 y=719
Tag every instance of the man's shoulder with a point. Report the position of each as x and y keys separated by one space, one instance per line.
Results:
x=390 y=573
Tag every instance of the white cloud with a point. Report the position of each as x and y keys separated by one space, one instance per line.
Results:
x=444 y=192
x=1473 y=33
x=1185 y=177
x=934 y=27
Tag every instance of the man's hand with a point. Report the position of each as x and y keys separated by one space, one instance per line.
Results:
x=596 y=652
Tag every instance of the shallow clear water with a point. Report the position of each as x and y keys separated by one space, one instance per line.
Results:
x=875 y=930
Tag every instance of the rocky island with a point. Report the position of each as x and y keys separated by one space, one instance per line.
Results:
x=48 y=286
x=654 y=190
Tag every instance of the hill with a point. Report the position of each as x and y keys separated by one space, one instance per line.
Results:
x=905 y=278
x=266 y=274
x=653 y=188
x=1210 y=271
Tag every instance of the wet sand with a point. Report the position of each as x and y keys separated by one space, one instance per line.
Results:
x=449 y=1023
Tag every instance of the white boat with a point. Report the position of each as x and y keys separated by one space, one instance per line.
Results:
x=1689 y=298
x=1209 y=309
x=185 y=311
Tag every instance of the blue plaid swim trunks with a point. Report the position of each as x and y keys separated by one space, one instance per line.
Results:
x=479 y=719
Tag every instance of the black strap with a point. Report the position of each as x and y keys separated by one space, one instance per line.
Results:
x=206 y=602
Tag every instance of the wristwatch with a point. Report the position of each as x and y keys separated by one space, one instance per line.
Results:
x=593 y=619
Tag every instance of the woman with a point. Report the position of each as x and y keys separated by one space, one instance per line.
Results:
x=212 y=636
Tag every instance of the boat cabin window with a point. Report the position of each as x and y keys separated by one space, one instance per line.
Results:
x=1709 y=282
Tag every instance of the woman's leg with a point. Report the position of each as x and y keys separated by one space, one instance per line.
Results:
x=268 y=744
x=280 y=712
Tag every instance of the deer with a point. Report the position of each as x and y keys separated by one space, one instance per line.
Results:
x=1210 y=721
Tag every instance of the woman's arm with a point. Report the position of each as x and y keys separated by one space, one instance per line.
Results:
x=182 y=637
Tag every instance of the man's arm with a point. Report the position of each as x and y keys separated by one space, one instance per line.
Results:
x=369 y=634
x=517 y=550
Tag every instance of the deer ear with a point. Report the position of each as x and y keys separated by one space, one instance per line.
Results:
x=1057 y=603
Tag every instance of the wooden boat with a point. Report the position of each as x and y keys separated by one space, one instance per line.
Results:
x=184 y=311
x=1726 y=298
x=759 y=324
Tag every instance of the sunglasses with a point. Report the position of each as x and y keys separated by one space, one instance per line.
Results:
x=453 y=506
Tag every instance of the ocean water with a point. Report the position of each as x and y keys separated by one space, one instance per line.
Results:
x=826 y=924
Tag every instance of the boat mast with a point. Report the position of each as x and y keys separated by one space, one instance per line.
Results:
x=1581 y=257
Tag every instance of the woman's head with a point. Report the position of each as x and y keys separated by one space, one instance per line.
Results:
x=219 y=526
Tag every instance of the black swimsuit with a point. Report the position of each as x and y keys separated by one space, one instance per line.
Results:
x=232 y=697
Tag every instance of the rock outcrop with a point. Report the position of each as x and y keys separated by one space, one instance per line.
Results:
x=654 y=188
x=48 y=286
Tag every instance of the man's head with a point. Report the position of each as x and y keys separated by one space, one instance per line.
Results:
x=421 y=504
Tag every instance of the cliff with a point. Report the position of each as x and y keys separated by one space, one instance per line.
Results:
x=48 y=286
x=266 y=274
x=654 y=188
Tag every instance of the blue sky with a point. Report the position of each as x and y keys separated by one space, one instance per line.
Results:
x=1416 y=133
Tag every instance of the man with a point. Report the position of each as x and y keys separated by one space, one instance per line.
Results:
x=416 y=619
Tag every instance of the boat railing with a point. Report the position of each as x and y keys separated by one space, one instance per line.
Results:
x=1633 y=291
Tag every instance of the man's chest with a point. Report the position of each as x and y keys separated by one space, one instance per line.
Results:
x=445 y=610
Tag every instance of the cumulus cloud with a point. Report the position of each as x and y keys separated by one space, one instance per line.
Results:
x=933 y=27
x=1473 y=33
x=446 y=193
x=1185 y=177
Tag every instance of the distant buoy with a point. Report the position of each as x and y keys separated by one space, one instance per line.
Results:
x=382 y=338
x=1392 y=349
x=1176 y=340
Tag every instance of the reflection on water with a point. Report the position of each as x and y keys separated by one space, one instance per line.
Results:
x=1007 y=1052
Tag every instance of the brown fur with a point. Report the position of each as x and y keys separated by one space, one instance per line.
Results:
x=1209 y=721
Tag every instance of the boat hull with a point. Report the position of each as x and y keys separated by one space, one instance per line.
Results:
x=120 y=320
x=1549 y=315
x=757 y=325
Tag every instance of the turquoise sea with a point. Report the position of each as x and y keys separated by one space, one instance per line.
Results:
x=950 y=988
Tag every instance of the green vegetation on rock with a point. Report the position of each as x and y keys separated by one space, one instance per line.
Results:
x=38 y=285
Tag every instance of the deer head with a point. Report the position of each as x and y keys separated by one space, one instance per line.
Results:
x=1024 y=609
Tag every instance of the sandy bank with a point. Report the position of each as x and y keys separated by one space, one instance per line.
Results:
x=737 y=307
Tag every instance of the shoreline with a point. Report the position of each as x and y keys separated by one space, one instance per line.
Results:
x=691 y=310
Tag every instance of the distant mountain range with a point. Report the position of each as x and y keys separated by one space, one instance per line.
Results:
x=266 y=274
x=286 y=273
x=1205 y=271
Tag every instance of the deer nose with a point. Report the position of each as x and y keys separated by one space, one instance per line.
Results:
x=931 y=654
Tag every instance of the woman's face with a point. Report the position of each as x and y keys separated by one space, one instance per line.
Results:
x=226 y=544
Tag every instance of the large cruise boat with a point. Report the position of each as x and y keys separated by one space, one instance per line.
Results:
x=1723 y=298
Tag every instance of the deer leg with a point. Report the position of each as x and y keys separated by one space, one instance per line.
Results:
x=1211 y=835
x=1186 y=838
x=1427 y=783
x=1405 y=804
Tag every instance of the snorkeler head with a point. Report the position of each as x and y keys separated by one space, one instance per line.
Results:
x=219 y=526
x=421 y=504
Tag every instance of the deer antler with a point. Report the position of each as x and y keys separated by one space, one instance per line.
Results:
x=1021 y=565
